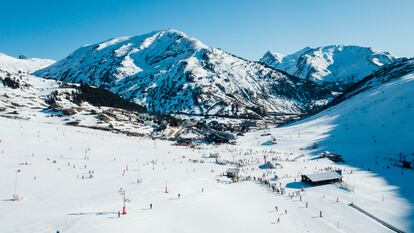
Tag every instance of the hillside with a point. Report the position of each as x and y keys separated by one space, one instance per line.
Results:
x=26 y=97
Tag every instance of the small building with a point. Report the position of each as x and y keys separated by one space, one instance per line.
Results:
x=219 y=137
x=270 y=165
x=220 y=162
x=323 y=178
x=148 y=122
x=232 y=172
x=333 y=157
x=213 y=156
x=273 y=180
x=184 y=141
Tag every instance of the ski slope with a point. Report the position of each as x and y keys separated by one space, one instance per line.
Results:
x=53 y=158
x=372 y=131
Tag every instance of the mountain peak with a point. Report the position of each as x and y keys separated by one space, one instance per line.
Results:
x=335 y=65
x=167 y=35
x=273 y=58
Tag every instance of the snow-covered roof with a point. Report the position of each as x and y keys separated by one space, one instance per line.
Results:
x=324 y=176
x=232 y=170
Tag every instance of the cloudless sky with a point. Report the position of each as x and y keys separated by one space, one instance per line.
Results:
x=248 y=28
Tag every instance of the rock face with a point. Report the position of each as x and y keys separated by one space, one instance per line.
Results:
x=169 y=72
x=337 y=67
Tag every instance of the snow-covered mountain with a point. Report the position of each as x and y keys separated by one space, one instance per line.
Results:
x=169 y=72
x=337 y=66
x=23 y=64
x=383 y=75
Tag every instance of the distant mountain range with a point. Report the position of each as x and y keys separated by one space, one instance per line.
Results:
x=170 y=72
x=336 y=67
x=176 y=87
x=23 y=64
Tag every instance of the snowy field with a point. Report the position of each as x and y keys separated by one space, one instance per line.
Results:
x=70 y=179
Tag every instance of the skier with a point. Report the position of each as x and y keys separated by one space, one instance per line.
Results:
x=179 y=195
x=119 y=214
x=278 y=220
x=151 y=206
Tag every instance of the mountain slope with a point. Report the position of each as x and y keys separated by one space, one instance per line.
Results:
x=169 y=72
x=335 y=66
x=26 y=65
x=26 y=97
x=371 y=126
x=385 y=74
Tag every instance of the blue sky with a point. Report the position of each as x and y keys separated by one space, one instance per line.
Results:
x=248 y=28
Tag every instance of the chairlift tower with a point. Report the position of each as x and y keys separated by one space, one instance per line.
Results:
x=15 y=195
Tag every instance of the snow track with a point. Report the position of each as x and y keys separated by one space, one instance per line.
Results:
x=376 y=219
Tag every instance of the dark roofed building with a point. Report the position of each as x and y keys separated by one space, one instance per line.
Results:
x=323 y=178
x=232 y=172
